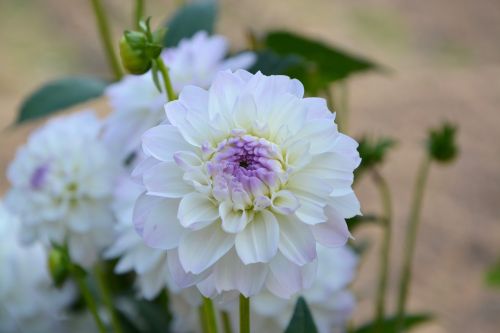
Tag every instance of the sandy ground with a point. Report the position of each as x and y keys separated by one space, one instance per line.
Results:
x=445 y=58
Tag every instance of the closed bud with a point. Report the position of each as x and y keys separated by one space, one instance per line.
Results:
x=133 y=56
x=441 y=143
x=373 y=152
x=59 y=266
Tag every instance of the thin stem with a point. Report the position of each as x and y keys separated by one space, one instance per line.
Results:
x=138 y=12
x=244 y=314
x=79 y=278
x=106 y=297
x=226 y=322
x=103 y=26
x=166 y=79
x=386 y=220
x=208 y=309
x=410 y=240
x=202 y=318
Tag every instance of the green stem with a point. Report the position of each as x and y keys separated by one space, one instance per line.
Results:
x=138 y=12
x=103 y=26
x=410 y=240
x=106 y=297
x=386 y=220
x=79 y=277
x=208 y=309
x=166 y=79
x=226 y=322
x=244 y=314
x=202 y=318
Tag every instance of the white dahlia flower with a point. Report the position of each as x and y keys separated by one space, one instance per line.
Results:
x=28 y=302
x=138 y=105
x=62 y=182
x=329 y=300
x=242 y=184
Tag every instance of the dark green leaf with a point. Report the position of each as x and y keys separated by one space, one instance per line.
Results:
x=356 y=221
x=321 y=63
x=389 y=324
x=302 y=320
x=493 y=276
x=58 y=95
x=189 y=19
x=270 y=63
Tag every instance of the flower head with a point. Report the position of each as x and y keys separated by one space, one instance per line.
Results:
x=62 y=181
x=243 y=182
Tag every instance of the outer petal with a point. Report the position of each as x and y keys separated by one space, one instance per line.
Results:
x=181 y=278
x=231 y=274
x=196 y=210
x=334 y=231
x=163 y=141
x=258 y=242
x=286 y=278
x=346 y=204
x=198 y=250
x=297 y=242
x=162 y=230
x=165 y=180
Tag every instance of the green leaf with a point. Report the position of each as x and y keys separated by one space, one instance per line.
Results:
x=321 y=63
x=189 y=19
x=389 y=324
x=493 y=276
x=58 y=95
x=302 y=320
x=270 y=63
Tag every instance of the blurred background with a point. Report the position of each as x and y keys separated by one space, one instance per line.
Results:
x=445 y=61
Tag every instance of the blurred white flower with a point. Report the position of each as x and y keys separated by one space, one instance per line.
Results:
x=62 y=181
x=196 y=61
x=329 y=300
x=138 y=105
x=245 y=181
x=28 y=302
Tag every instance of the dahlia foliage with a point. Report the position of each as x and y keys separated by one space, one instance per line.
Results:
x=215 y=176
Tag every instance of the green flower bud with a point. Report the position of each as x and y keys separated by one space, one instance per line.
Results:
x=373 y=151
x=441 y=144
x=133 y=56
x=59 y=266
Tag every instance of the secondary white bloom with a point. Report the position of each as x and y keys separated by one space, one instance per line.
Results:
x=243 y=183
x=197 y=60
x=138 y=105
x=329 y=300
x=28 y=303
x=62 y=181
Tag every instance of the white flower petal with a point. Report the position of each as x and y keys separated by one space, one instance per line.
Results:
x=296 y=242
x=285 y=202
x=163 y=141
x=231 y=274
x=233 y=221
x=334 y=231
x=346 y=204
x=258 y=242
x=182 y=278
x=162 y=230
x=196 y=210
x=165 y=180
x=286 y=278
x=245 y=111
x=200 y=249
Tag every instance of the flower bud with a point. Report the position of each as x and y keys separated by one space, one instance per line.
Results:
x=133 y=56
x=58 y=266
x=441 y=144
x=373 y=151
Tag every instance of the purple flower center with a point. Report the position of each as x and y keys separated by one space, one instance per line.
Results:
x=246 y=164
x=39 y=176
